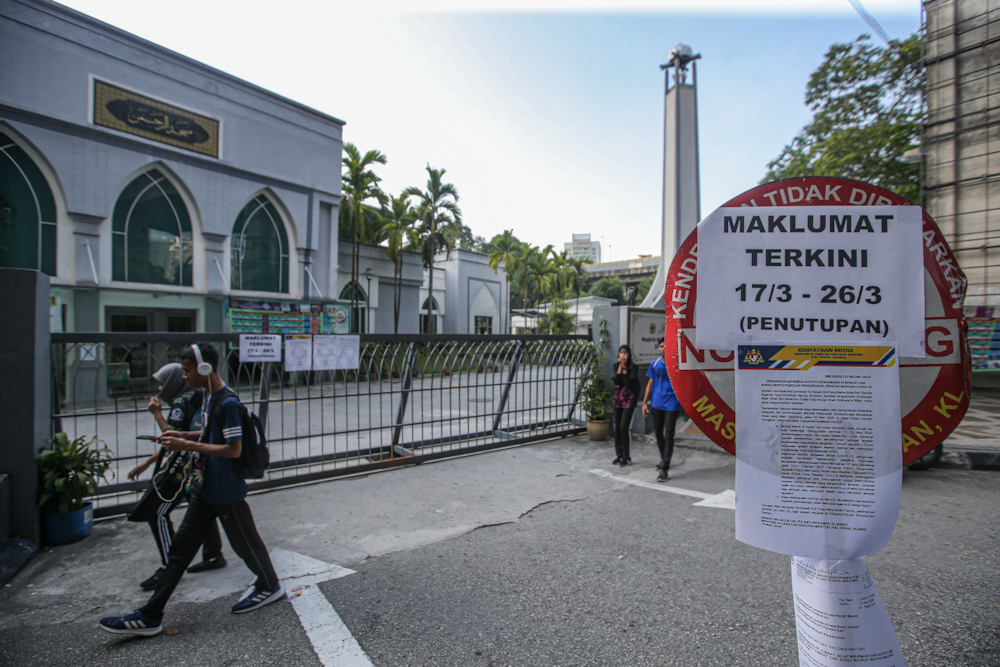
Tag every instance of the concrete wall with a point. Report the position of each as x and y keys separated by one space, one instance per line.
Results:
x=25 y=349
x=380 y=296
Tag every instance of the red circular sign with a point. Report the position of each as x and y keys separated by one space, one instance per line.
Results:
x=934 y=391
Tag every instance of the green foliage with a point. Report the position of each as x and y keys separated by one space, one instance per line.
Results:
x=69 y=473
x=595 y=392
x=867 y=111
x=610 y=287
x=644 y=287
x=557 y=320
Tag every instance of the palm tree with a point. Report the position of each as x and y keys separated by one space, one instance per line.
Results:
x=397 y=226
x=438 y=212
x=507 y=249
x=577 y=278
x=360 y=189
x=540 y=274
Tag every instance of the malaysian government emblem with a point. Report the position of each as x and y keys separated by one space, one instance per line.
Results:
x=753 y=357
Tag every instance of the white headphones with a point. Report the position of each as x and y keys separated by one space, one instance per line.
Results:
x=204 y=368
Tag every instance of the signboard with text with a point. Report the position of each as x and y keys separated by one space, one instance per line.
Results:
x=645 y=331
x=934 y=390
x=811 y=273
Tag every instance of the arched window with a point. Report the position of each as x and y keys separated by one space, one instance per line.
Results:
x=151 y=233
x=433 y=328
x=356 y=294
x=259 y=249
x=27 y=212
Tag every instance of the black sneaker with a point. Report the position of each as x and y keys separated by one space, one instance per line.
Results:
x=153 y=582
x=659 y=466
x=625 y=462
x=662 y=477
x=136 y=623
x=208 y=564
x=616 y=461
x=257 y=599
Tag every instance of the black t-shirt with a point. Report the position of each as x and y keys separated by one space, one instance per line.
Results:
x=185 y=412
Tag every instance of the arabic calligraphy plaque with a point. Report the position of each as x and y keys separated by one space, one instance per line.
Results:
x=146 y=117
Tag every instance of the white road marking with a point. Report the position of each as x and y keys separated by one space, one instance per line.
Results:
x=330 y=638
x=724 y=500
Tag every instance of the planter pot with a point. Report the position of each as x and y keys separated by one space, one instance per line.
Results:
x=76 y=526
x=598 y=430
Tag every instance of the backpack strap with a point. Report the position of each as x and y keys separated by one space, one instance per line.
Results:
x=224 y=393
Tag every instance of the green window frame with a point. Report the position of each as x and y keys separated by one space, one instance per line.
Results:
x=259 y=249
x=434 y=316
x=356 y=293
x=27 y=212
x=151 y=239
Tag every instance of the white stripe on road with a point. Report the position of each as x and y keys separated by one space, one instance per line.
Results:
x=331 y=640
x=724 y=500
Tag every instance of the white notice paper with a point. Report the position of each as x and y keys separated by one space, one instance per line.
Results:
x=818 y=448
x=334 y=353
x=839 y=616
x=811 y=273
x=259 y=347
x=298 y=353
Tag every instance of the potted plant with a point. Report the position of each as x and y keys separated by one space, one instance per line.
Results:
x=69 y=472
x=595 y=393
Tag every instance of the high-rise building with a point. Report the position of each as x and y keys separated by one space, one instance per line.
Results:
x=582 y=246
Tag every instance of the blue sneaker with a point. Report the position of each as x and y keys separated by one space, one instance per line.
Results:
x=136 y=623
x=257 y=599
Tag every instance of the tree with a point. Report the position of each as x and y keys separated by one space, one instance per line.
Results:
x=505 y=248
x=867 y=111
x=438 y=212
x=557 y=319
x=577 y=278
x=610 y=288
x=644 y=287
x=357 y=218
x=398 y=219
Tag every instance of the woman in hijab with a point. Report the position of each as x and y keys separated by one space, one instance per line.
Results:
x=183 y=405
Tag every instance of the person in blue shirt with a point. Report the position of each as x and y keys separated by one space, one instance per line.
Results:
x=222 y=495
x=661 y=400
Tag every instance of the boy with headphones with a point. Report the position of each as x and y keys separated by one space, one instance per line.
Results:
x=223 y=496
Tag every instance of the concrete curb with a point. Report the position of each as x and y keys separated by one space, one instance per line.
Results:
x=13 y=557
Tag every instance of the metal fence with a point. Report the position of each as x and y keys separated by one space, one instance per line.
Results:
x=413 y=398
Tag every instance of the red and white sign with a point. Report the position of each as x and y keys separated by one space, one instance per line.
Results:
x=934 y=390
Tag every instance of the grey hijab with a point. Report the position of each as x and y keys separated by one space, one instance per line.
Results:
x=171 y=377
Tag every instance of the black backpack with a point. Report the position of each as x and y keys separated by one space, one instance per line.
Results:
x=254 y=456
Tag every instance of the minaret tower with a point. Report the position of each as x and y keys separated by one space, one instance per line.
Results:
x=681 y=189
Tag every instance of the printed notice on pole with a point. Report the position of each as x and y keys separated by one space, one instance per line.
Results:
x=334 y=353
x=298 y=353
x=843 y=274
x=818 y=455
x=259 y=347
x=839 y=616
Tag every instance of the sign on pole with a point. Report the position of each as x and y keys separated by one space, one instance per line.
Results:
x=934 y=390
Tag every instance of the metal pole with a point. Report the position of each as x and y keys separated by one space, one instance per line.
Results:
x=264 y=393
x=506 y=388
x=408 y=364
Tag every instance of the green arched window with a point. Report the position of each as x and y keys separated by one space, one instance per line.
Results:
x=27 y=212
x=259 y=249
x=354 y=292
x=151 y=233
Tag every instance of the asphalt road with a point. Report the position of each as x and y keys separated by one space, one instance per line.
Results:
x=524 y=557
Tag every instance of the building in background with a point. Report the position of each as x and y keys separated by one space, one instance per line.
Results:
x=630 y=271
x=160 y=194
x=961 y=144
x=582 y=247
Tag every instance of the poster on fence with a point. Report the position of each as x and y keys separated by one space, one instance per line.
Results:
x=259 y=347
x=818 y=461
x=298 y=353
x=335 y=353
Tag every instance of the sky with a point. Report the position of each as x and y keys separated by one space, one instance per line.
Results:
x=547 y=115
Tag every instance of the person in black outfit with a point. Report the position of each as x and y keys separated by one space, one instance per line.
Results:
x=183 y=414
x=222 y=496
x=624 y=402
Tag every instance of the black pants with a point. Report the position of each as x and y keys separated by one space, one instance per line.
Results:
x=623 y=441
x=163 y=533
x=664 y=422
x=238 y=523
